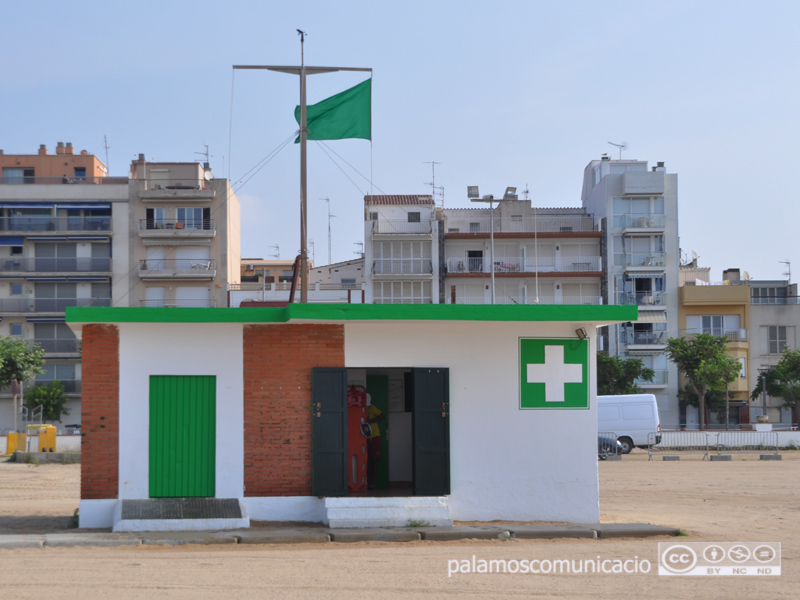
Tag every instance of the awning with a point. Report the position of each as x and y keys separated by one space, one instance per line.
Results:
x=12 y=241
x=652 y=316
x=643 y=274
x=84 y=206
x=50 y=238
x=26 y=205
x=88 y=238
x=47 y=278
x=104 y=279
x=46 y=319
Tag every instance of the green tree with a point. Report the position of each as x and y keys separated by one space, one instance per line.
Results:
x=782 y=381
x=618 y=376
x=703 y=360
x=51 y=398
x=19 y=361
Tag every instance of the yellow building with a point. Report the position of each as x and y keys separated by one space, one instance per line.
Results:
x=722 y=310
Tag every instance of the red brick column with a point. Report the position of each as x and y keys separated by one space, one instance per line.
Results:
x=100 y=412
x=277 y=403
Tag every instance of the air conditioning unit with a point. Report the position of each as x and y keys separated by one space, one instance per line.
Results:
x=249 y=267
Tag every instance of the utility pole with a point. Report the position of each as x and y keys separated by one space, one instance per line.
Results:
x=328 y=200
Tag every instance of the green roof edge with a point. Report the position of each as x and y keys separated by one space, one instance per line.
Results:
x=355 y=312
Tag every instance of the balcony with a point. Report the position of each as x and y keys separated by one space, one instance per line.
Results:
x=505 y=264
x=188 y=303
x=402 y=266
x=644 y=340
x=660 y=379
x=542 y=224
x=58 y=346
x=398 y=226
x=52 y=225
x=80 y=179
x=501 y=298
x=175 y=189
x=639 y=222
x=732 y=335
x=178 y=268
x=173 y=228
x=55 y=265
x=643 y=299
x=641 y=259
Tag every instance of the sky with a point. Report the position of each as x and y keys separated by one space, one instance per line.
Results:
x=502 y=93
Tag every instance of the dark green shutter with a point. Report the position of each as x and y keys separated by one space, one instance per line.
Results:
x=329 y=430
x=182 y=436
x=431 y=432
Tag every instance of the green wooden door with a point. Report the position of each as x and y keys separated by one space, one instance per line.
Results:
x=329 y=431
x=431 y=432
x=182 y=436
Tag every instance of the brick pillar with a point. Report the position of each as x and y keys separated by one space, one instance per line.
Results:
x=100 y=412
x=278 y=360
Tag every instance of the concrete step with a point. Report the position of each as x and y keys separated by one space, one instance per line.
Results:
x=401 y=511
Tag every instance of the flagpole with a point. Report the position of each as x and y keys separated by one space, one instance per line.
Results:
x=303 y=178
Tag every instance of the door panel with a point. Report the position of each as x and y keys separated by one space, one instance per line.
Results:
x=329 y=431
x=431 y=432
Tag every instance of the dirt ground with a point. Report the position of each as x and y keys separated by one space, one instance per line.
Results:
x=745 y=500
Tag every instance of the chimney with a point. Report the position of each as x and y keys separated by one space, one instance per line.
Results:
x=660 y=167
x=69 y=149
x=731 y=275
x=42 y=150
x=60 y=148
x=605 y=157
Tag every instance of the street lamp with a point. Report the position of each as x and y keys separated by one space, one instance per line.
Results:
x=472 y=194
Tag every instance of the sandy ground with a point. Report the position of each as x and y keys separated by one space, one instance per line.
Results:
x=740 y=501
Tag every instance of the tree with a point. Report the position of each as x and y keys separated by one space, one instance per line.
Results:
x=19 y=361
x=617 y=376
x=782 y=381
x=703 y=360
x=51 y=398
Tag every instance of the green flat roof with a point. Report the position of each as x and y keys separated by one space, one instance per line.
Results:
x=356 y=312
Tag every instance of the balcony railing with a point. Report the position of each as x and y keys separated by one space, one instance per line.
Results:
x=177 y=267
x=643 y=338
x=641 y=259
x=402 y=266
x=179 y=303
x=504 y=264
x=732 y=335
x=642 y=298
x=542 y=224
x=501 y=298
x=80 y=179
x=25 y=223
x=661 y=377
x=640 y=221
x=400 y=226
x=185 y=224
x=55 y=264
x=57 y=346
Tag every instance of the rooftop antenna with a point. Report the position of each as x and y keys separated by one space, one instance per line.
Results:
x=277 y=251
x=206 y=154
x=360 y=250
x=432 y=182
x=330 y=216
x=313 y=259
x=105 y=145
x=622 y=146
x=525 y=193
x=788 y=271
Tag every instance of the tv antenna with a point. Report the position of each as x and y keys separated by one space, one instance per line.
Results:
x=788 y=271
x=432 y=182
x=277 y=251
x=330 y=216
x=622 y=146
x=525 y=192
x=206 y=154
x=360 y=250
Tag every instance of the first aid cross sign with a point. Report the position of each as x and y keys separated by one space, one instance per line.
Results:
x=554 y=373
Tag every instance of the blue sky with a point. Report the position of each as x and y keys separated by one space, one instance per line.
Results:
x=521 y=93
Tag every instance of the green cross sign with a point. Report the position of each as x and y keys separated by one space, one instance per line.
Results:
x=554 y=373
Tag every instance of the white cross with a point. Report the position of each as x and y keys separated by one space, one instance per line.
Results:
x=554 y=373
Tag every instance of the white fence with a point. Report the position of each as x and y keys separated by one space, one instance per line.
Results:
x=677 y=443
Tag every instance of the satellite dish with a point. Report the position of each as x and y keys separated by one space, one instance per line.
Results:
x=694 y=255
x=746 y=276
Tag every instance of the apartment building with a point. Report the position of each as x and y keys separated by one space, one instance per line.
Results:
x=186 y=246
x=63 y=242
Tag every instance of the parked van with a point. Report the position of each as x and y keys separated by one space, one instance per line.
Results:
x=631 y=417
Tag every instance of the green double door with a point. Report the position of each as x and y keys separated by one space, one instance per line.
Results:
x=182 y=436
x=430 y=431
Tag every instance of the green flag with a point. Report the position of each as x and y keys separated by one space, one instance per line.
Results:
x=345 y=115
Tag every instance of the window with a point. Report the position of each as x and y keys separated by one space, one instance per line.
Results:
x=516 y=218
x=777 y=339
x=155 y=218
x=413 y=217
x=80 y=173
x=349 y=284
x=18 y=175
x=16 y=289
x=768 y=295
x=194 y=218
x=373 y=216
x=474 y=227
x=16 y=250
x=16 y=329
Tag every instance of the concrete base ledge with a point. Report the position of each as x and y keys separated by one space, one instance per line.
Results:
x=16 y=540
x=617 y=530
x=462 y=532
x=670 y=458
x=770 y=457
x=532 y=532
x=723 y=457
x=66 y=540
x=282 y=536
x=47 y=457
x=179 y=538
x=374 y=535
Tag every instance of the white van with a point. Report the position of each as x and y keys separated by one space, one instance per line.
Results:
x=631 y=417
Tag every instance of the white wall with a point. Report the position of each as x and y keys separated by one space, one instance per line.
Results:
x=188 y=349
x=506 y=463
